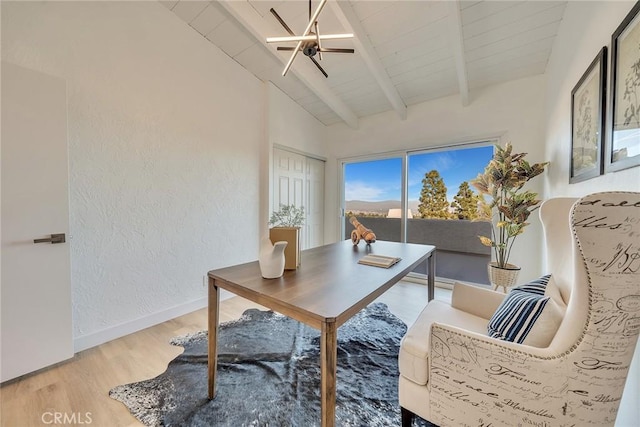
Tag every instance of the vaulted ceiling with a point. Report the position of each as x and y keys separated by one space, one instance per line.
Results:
x=406 y=52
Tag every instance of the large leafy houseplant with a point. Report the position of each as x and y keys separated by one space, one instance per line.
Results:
x=502 y=182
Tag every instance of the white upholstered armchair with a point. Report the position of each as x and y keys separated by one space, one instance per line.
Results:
x=453 y=374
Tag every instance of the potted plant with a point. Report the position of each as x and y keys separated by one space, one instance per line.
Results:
x=286 y=223
x=509 y=205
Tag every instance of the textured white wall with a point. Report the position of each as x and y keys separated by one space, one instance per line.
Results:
x=573 y=51
x=164 y=137
x=512 y=110
x=292 y=126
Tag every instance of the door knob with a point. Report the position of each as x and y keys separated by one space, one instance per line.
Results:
x=55 y=238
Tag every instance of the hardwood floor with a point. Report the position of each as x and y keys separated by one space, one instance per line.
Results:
x=79 y=389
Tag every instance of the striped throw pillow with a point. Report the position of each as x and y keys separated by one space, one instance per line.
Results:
x=526 y=315
x=537 y=286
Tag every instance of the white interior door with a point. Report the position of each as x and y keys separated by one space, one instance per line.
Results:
x=299 y=180
x=35 y=292
x=314 y=225
x=289 y=176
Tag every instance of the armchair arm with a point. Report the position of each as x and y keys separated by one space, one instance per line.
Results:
x=475 y=300
x=478 y=380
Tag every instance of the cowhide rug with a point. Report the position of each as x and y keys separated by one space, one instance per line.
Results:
x=269 y=375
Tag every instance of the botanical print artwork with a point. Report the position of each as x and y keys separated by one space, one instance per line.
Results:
x=585 y=125
x=626 y=141
x=587 y=121
x=631 y=105
x=628 y=114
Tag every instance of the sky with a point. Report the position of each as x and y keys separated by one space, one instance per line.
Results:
x=380 y=180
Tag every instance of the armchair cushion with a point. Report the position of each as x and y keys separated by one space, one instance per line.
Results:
x=475 y=300
x=414 y=348
x=527 y=316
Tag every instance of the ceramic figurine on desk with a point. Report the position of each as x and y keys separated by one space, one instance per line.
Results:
x=271 y=258
x=361 y=232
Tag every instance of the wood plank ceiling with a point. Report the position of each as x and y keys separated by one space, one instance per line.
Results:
x=407 y=51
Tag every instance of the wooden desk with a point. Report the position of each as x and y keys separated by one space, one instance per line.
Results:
x=324 y=292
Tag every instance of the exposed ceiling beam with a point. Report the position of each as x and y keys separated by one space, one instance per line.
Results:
x=348 y=18
x=457 y=47
x=248 y=17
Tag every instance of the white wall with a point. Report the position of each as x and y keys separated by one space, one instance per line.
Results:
x=585 y=28
x=164 y=143
x=512 y=111
x=292 y=126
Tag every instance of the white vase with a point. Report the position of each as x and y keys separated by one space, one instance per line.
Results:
x=271 y=258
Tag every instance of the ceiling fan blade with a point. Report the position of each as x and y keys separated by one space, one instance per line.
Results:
x=281 y=21
x=319 y=67
x=336 y=50
x=318 y=41
x=285 y=48
x=306 y=32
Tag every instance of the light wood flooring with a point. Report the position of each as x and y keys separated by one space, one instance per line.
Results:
x=82 y=385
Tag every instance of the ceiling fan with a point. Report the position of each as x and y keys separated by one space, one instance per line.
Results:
x=310 y=42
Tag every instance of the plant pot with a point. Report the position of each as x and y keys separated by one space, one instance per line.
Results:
x=292 y=252
x=504 y=277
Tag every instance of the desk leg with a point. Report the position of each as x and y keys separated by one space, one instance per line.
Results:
x=431 y=276
x=328 y=362
x=214 y=309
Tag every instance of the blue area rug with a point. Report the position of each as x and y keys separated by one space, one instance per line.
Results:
x=268 y=375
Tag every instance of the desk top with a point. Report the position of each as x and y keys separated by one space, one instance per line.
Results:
x=329 y=286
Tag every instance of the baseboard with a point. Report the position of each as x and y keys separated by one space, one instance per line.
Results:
x=100 y=337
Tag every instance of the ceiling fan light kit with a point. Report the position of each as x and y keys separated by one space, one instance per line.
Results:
x=310 y=38
x=309 y=42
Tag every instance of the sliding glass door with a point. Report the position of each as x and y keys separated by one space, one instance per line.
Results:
x=440 y=204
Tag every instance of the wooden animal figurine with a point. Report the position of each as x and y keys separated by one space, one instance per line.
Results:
x=361 y=232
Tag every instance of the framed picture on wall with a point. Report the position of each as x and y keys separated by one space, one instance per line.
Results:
x=587 y=121
x=623 y=150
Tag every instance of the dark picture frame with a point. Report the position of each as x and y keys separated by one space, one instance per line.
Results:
x=623 y=149
x=588 y=99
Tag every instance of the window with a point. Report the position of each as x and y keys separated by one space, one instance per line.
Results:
x=453 y=168
x=373 y=189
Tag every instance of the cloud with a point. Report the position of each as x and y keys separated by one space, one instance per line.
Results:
x=442 y=161
x=357 y=190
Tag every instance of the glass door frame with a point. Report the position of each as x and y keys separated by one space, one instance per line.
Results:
x=402 y=155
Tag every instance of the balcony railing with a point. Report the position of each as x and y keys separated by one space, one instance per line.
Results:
x=459 y=253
